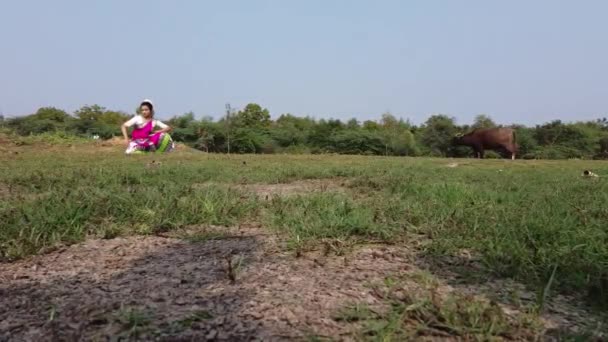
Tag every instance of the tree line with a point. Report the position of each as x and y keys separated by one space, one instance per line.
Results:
x=251 y=130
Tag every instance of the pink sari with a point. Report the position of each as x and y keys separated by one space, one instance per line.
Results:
x=142 y=139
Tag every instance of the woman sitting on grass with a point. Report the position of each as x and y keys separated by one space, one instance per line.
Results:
x=143 y=139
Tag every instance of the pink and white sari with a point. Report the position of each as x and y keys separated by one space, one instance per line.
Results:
x=142 y=140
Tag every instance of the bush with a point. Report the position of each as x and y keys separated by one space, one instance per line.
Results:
x=558 y=152
x=248 y=141
x=529 y=156
x=295 y=149
x=601 y=155
x=269 y=147
x=358 y=142
x=32 y=125
x=187 y=134
x=524 y=138
x=104 y=131
x=492 y=155
x=51 y=138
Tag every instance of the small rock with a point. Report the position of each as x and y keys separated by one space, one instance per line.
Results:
x=529 y=296
x=289 y=317
x=219 y=321
x=400 y=295
x=256 y=315
x=181 y=301
x=212 y=334
x=239 y=327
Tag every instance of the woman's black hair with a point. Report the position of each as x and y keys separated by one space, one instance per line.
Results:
x=148 y=104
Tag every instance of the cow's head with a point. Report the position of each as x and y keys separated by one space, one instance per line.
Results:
x=457 y=138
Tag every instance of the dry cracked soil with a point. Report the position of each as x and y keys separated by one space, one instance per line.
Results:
x=182 y=291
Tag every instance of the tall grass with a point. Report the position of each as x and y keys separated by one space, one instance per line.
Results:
x=332 y=216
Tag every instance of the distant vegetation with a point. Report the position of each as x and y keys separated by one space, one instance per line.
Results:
x=251 y=130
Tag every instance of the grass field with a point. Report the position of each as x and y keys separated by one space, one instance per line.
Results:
x=539 y=222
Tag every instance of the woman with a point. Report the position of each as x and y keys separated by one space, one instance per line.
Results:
x=143 y=139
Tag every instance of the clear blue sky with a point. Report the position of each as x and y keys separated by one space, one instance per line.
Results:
x=525 y=61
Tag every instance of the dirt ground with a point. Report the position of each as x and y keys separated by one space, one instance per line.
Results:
x=80 y=291
x=268 y=191
x=242 y=286
x=181 y=291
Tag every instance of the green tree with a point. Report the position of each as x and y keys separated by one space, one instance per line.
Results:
x=182 y=121
x=352 y=124
x=558 y=133
x=357 y=142
x=483 y=121
x=525 y=140
x=253 y=116
x=185 y=127
x=90 y=113
x=437 y=133
x=46 y=119
x=403 y=144
x=51 y=113
x=389 y=121
x=558 y=140
x=286 y=131
x=248 y=140
x=602 y=123
x=397 y=136
x=113 y=118
x=602 y=150
x=370 y=125
x=321 y=134
x=98 y=120
x=603 y=142
x=211 y=136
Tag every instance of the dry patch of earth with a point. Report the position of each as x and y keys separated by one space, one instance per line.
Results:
x=268 y=191
x=237 y=288
x=155 y=287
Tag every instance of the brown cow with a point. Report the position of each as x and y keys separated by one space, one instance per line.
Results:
x=490 y=139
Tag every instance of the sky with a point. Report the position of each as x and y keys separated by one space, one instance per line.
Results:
x=518 y=61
